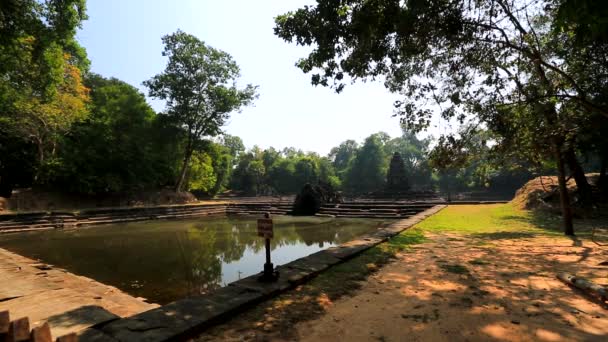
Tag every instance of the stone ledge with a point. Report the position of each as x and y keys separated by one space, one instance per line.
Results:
x=180 y=318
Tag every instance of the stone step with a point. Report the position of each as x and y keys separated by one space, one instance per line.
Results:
x=41 y=219
x=380 y=205
x=388 y=211
x=365 y=215
x=371 y=216
x=143 y=218
x=257 y=213
x=152 y=214
x=29 y=226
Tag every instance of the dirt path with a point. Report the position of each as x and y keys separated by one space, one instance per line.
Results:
x=459 y=288
x=496 y=286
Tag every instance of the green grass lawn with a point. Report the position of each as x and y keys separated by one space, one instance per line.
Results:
x=490 y=218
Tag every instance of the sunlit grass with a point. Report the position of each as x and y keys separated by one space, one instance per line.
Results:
x=490 y=218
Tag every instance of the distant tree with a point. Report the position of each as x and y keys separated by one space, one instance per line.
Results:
x=306 y=171
x=368 y=169
x=241 y=179
x=114 y=148
x=222 y=162
x=342 y=156
x=414 y=153
x=201 y=175
x=199 y=85
x=234 y=145
x=270 y=157
x=281 y=176
x=257 y=171
x=327 y=173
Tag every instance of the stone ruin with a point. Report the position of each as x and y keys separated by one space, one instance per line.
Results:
x=396 y=177
x=312 y=197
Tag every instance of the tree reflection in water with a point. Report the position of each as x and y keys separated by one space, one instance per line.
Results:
x=167 y=260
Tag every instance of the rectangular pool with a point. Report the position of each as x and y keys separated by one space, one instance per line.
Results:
x=166 y=260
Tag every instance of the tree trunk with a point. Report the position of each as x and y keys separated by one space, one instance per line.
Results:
x=182 y=175
x=576 y=170
x=40 y=160
x=601 y=182
x=563 y=192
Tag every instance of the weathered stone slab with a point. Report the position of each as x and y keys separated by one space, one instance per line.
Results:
x=314 y=263
x=382 y=234
x=95 y=335
x=79 y=319
x=265 y=288
x=182 y=317
x=295 y=276
x=165 y=322
x=348 y=251
x=234 y=296
x=370 y=240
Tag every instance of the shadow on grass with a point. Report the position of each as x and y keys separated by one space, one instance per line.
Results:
x=552 y=223
x=504 y=235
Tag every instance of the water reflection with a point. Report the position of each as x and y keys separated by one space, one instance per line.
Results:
x=167 y=260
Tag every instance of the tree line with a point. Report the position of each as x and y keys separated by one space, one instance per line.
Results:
x=65 y=128
x=527 y=83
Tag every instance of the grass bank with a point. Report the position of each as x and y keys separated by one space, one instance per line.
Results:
x=505 y=219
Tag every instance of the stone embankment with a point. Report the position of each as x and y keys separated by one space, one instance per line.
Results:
x=68 y=302
x=257 y=206
x=65 y=219
x=56 y=219
x=375 y=209
x=243 y=206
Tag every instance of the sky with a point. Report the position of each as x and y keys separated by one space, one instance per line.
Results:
x=123 y=40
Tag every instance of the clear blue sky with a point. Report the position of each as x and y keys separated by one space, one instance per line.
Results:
x=123 y=40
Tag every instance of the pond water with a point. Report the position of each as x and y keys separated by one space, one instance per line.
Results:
x=167 y=260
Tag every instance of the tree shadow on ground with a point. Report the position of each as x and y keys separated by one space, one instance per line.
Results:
x=436 y=293
x=503 y=235
x=552 y=223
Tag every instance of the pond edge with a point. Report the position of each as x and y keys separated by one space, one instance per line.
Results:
x=189 y=316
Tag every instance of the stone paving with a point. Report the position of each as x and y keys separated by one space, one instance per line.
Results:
x=70 y=303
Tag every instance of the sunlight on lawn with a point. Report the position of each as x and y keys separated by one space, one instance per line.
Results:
x=489 y=218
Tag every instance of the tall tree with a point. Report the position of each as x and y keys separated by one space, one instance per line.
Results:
x=343 y=154
x=235 y=146
x=199 y=86
x=113 y=150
